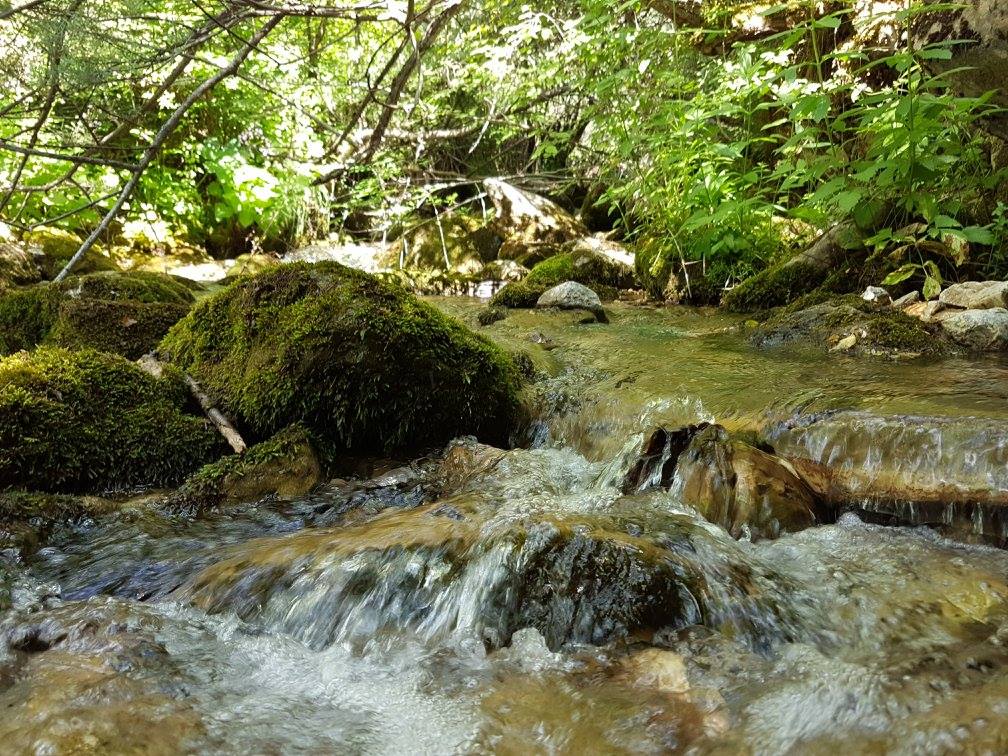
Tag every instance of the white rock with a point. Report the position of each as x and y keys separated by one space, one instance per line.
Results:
x=979 y=330
x=571 y=295
x=877 y=295
x=976 y=295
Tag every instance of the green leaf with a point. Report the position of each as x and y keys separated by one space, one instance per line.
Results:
x=979 y=235
x=932 y=287
x=900 y=275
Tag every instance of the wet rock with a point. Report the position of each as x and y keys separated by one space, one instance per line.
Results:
x=877 y=296
x=979 y=330
x=363 y=364
x=464 y=460
x=28 y=519
x=741 y=488
x=976 y=295
x=93 y=678
x=943 y=471
x=84 y=421
x=571 y=295
x=730 y=483
x=285 y=466
x=449 y=568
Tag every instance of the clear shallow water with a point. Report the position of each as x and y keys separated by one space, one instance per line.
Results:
x=307 y=628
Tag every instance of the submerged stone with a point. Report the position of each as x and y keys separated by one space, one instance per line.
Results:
x=363 y=364
x=84 y=421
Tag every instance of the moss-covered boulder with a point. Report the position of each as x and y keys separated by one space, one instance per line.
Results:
x=603 y=274
x=285 y=466
x=54 y=248
x=124 y=313
x=363 y=364
x=459 y=238
x=84 y=421
x=851 y=325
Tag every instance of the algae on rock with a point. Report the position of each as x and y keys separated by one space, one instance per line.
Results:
x=363 y=364
x=84 y=421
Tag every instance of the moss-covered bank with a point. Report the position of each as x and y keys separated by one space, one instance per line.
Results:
x=84 y=421
x=852 y=325
x=363 y=364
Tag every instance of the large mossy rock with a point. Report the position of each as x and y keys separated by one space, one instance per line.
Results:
x=123 y=313
x=459 y=238
x=363 y=364
x=84 y=421
x=605 y=275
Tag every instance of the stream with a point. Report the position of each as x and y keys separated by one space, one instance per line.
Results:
x=532 y=606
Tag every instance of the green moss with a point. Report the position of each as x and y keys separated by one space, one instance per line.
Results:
x=135 y=286
x=26 y=316
x=593 y=270
x=490 y=315
x=131 y=329
x=56 y=247
x=125 y=313
x=87 y=421
x=285 y=464
x=773 y=287
x=363 y=364
x=823 y=324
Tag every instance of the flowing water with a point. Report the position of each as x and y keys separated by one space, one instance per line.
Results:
x=520 y=602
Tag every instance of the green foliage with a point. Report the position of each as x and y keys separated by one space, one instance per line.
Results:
x=363 y=364
x=84 y=421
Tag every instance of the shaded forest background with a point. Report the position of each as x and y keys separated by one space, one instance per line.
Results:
x=716 y=139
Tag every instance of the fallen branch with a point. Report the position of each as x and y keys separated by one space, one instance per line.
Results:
x=153 y=366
